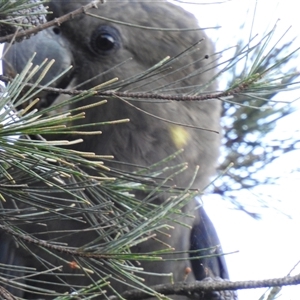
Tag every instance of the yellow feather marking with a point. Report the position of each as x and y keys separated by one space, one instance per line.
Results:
x=179 y=136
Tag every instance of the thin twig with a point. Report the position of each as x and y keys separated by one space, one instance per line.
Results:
x=6 y=295
x=54 y=22
x=140 y=95
x=187 y=289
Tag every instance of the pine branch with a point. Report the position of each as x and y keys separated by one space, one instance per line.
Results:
x=191 y=290
x=56 y=22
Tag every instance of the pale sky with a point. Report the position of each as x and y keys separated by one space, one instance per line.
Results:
x=270 y=247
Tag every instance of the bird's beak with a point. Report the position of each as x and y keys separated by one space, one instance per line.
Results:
x=46 y=44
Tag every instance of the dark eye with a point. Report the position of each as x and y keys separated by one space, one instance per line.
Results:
x=105 y=40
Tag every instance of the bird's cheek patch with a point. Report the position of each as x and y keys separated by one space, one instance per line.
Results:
x=179 y=136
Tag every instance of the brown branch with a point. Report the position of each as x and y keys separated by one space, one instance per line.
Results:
x=63 y=249
x=5 y=294
x=73 y=251
x=179 y=288
x=56 y=21
x=140 y=95
x=188 y=289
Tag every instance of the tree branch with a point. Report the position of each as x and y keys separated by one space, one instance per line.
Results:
x=140 y=95
x=187 y=289
x=56 y=21
x=6 y=295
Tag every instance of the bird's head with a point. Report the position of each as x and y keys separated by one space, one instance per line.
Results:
x=119 y=40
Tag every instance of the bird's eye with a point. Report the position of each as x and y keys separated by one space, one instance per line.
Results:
x=105 y=40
